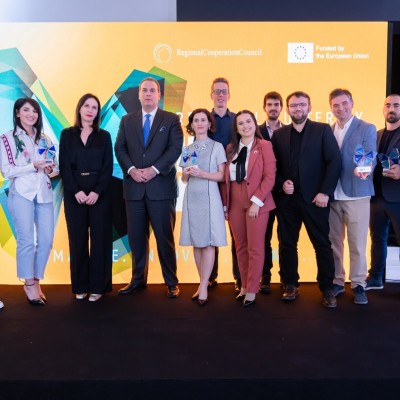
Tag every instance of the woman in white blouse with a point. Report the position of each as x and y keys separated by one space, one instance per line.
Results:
x=28 y=161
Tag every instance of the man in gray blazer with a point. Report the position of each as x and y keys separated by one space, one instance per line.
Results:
x=148 y=144
x=351 y=205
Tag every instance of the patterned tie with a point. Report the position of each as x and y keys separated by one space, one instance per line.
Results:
x=146 y=128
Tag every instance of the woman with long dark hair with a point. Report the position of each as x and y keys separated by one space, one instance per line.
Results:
x=28 y=160
x=86 y=164
x=249 y=179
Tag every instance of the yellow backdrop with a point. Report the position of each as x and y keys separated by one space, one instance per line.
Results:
x=74 y=58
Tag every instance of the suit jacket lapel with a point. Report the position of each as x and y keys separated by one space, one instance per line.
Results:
x=138 y=126
x=253 y=156
x=352 y=128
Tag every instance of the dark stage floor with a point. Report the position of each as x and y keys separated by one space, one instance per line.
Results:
x=146 y=346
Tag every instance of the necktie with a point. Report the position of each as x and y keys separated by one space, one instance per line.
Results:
x=241 y=164
x=146 y=128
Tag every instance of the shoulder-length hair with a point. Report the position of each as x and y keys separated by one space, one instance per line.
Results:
x=17 y=122
x=81 y=102
x=235 y=139
x=210 y=118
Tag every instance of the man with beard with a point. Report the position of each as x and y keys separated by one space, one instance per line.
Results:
x=272 y=106
x=308 y=166
x=385 y=205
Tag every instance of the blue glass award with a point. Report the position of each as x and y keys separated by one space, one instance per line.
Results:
x=387 y=160
x=363 y=159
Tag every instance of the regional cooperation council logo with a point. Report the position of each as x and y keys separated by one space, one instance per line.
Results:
x=162 y=53
x=300 y=52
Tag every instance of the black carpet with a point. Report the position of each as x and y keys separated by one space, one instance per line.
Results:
x=146 y=346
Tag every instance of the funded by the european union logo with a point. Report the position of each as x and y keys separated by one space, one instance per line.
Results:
x=300 y=53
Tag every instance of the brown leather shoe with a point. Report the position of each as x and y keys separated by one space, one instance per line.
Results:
x=329 y=299
x=290 y=293
x=172 y=291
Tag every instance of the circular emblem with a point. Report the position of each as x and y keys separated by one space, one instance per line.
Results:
x=162 y=53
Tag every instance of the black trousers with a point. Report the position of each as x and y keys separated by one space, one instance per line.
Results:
x=268 y=264
x=290 y=216
x=90 y=260
x=161 y=215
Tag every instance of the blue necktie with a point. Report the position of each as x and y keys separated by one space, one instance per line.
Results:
x=146 y=128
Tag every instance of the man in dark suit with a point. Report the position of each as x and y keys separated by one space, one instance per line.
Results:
x=272 y=106
x=148 y=144
x=385 y=205
x=308 y=167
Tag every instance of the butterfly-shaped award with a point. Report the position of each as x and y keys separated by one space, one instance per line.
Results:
x=363 y=159
x=387 y=160
x=46 y=152
x=189 y=158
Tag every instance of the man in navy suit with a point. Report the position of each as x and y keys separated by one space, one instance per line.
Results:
x=272 y=106
x=385 y=205
x=308 y=165
x=353 y=192
x=148 y=144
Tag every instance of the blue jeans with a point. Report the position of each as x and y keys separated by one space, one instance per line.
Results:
x=381 y=214
x=30 y=218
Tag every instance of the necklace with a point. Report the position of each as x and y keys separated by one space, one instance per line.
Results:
x=200 y=146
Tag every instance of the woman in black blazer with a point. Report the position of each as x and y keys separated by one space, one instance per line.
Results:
x=86 y=164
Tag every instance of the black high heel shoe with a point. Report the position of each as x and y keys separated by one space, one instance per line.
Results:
x=34 y=302
x=248 y=303
x=202 y=302
x=240 y=297
x=195 y=296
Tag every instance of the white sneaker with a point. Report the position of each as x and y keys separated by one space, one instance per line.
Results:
x=94 y=297
x=1 y=305
x=80 y=296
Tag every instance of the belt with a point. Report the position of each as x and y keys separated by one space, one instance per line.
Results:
x=86 y=173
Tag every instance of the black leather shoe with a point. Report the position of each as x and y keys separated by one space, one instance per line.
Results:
x=172 y=291
x=329 y=299
x=213 y=283
x=202 y=302
x=290 y=293
x=240 y=297
x=36 y=302
x=238 y=285
x=248 y=303
x=133 y=287
x=265 y=287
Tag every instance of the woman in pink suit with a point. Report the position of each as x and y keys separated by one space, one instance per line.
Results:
x=247 y=199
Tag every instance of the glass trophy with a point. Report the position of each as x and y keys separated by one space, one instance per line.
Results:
x=189 y=158
x=363 y=160
x=46 y=152
x=387 y=160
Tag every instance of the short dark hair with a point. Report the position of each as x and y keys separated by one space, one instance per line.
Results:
x=235 y=138
x=340 y=92
x=17 y=122
x=219 y=80
x=81 y=102
x=274 y=96
x=149 y=78
x=298 y=93
x=210 y=118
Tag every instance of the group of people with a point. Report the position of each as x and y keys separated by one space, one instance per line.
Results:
x=234 y=170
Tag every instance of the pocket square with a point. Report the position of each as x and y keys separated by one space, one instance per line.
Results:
x=163 y=129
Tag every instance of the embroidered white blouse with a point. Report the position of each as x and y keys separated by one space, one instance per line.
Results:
x=18 y=152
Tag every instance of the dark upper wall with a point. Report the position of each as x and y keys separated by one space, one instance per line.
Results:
x=288 y=10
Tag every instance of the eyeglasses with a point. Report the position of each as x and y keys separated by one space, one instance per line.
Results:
x=220 y=91
x=294 y=105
